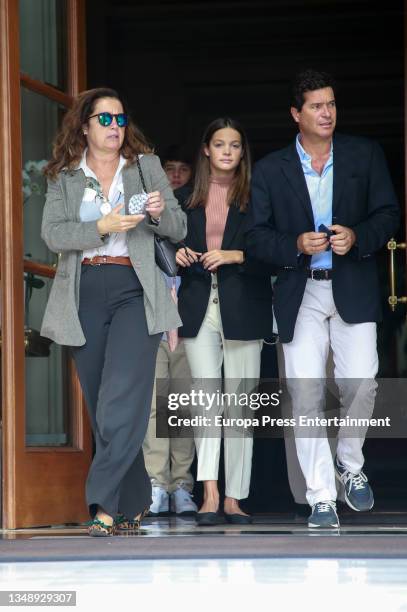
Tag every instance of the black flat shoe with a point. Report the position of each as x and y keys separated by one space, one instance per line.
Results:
x=238 y=519
x=208 y=519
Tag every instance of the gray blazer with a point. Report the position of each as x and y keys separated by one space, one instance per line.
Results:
x=66 y=234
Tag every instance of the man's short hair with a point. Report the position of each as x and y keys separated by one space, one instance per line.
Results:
x=309 y=80
x=179 y=153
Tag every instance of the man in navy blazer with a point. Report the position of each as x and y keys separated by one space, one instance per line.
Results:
x=320 y=211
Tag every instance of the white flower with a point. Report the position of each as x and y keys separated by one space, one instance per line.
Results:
x=26 y=191
x=41 y=164
x=36 y=167
x=33 y=169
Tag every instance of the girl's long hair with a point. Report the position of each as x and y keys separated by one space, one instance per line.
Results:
x=70 y=141
x=239 y=190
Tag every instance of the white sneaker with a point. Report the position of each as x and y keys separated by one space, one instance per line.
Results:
x=160 y=503
x=181 y=502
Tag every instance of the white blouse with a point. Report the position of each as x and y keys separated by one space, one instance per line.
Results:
x=116 y=245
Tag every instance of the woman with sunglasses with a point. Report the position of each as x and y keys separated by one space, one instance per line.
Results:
x=109 y=301
x=225 y=306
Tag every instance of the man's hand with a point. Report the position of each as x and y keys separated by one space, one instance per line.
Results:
x=343 y=239
x=312 y=243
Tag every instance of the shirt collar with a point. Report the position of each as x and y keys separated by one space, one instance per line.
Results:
x=304 y=156
x=88 y=172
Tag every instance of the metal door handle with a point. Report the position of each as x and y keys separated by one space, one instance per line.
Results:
x=393 y=299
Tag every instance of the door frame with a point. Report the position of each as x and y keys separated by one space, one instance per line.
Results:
x=405 y=143
x=32 y=476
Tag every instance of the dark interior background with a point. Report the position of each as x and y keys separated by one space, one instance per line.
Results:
x=182 y=64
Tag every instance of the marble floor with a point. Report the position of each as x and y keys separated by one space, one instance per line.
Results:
x=178 y=585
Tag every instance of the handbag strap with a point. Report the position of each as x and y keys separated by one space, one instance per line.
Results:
x=141 y=174
x=181 y=242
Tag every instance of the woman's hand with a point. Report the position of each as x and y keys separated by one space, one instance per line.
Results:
x=155 y=204
x=211 y=260
x=186 y=256
x=115 y=222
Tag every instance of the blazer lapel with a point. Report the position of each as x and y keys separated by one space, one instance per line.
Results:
x=233 y=222
x=292 y=169
x=197 y=223
x=75 y=187
x=341 y=171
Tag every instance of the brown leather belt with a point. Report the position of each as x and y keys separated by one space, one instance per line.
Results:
x=106 y=259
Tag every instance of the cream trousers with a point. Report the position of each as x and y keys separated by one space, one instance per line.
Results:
x=241 y=368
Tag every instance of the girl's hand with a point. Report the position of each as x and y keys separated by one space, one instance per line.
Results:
x=186 y=256
x=211 y=260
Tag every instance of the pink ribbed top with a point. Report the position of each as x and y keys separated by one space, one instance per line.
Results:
x=216 y=211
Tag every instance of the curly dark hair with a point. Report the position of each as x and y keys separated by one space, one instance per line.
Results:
x=70 y=141
x=309 y=80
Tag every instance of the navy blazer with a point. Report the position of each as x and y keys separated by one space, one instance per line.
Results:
x=245 y=292
x=280 y=210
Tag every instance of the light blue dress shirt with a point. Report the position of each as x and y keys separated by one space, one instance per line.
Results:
x=320 y=189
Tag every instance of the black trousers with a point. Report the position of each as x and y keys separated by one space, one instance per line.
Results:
x=116 y=369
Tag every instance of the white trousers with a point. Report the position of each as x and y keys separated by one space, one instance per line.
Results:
x=241 y=366
x=354 y=349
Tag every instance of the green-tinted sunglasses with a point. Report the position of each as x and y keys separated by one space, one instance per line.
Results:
x=106 y=119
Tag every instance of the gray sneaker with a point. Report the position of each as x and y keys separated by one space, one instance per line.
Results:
x=182 y=503
x=358 y=492
x=160 y=505
x=324 y=515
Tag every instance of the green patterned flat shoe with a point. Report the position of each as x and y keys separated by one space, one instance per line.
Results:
x=123 y=524
x=99 y=529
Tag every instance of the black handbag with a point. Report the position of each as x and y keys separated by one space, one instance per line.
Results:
x=164 y=250
x=35 y=344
